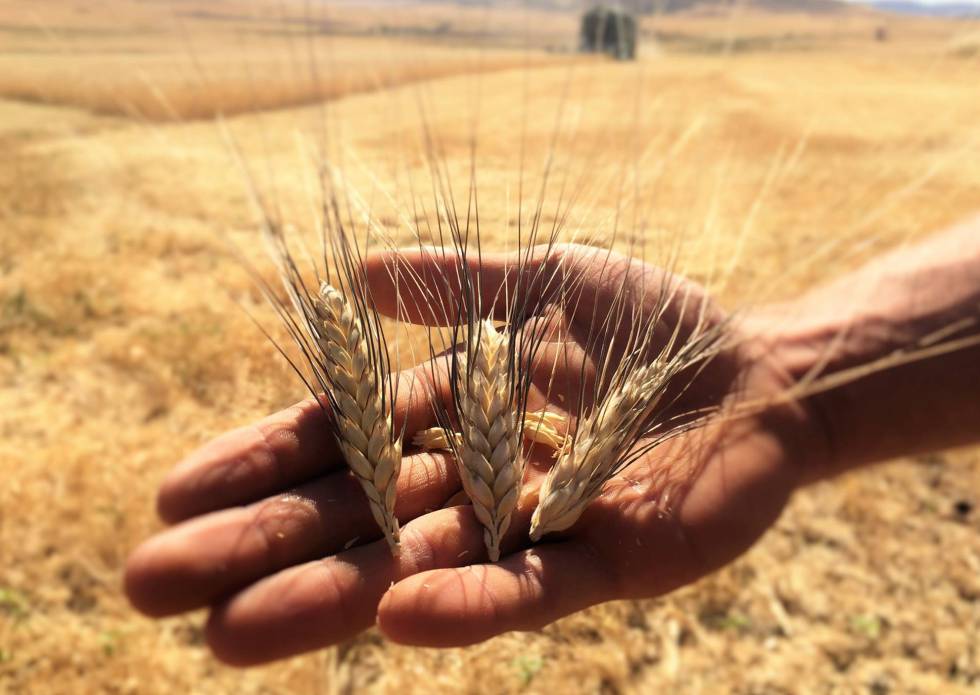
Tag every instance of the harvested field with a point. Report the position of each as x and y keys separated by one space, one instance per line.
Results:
x=123 y=343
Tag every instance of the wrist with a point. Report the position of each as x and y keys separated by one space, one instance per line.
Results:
x=776 y=360
x=872 y=386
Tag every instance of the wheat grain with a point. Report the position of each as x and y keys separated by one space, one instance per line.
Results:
x=545 y=427
x=489 y=456
x=540 y=426
x=363 y=418
x=435 y=438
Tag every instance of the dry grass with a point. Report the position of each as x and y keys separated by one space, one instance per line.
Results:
x=966 y=45
x=165 y=61
x=121 y=349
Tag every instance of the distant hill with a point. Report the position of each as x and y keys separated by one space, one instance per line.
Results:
x=949 y=9
x=669 y=6
x=814 y=6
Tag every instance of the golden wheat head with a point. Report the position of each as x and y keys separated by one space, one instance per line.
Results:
x=489 y=453
x=363 y=417
x=580 y=472
x=608 y=436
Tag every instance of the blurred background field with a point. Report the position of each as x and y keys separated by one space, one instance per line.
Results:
x=816 y=134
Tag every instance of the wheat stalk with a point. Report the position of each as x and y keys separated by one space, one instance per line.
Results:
x=343 y=349
x=488 y=453
x=363 y=417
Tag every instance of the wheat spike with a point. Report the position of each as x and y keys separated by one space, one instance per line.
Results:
x=489 y=455
x=364 y=426
x=580 y=472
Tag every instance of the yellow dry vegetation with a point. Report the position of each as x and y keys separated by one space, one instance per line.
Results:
x=124 y=344
x=174 y=61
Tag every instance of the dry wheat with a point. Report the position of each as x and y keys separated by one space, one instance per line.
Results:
x=540 y=426
x=580 y=472
x=363 y=417
x=629 y=417
x=489 y=456
x=545 y=427
x=435 y=438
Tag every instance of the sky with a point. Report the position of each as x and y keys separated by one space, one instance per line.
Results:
x=930 y=2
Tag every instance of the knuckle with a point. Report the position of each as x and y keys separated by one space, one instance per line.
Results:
x=421 y=555
x=282 y=523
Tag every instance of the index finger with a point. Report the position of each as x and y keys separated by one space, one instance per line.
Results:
x=425 y=285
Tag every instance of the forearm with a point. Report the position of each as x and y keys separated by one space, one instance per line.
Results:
x=916 y=298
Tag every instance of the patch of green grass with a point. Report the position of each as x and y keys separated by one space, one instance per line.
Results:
x=868 y=625
x=690 y=43
x=14 y=603
x=194 y=347
x=109 y=639
x=112 y=512
x=17 y=310
x=727 y=621
x=527 y=668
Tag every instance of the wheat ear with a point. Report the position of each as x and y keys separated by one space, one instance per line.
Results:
x=489 y=456
x=580 y=472
x=363 y=418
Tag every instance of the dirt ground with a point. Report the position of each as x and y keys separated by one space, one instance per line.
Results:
x=124 y=344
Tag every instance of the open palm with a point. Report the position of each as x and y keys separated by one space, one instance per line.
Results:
x=273 y=534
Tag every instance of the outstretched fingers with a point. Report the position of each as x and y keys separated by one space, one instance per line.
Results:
x=461 y=606
x=321 y=603
x=248 y=463
x=425 y=285
x=207 y=558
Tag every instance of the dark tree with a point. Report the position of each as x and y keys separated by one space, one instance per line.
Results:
x=611 y=31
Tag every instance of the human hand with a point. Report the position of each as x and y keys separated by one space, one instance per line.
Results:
x=273 y=534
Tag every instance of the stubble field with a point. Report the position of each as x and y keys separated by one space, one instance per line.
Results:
x=789 y=146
